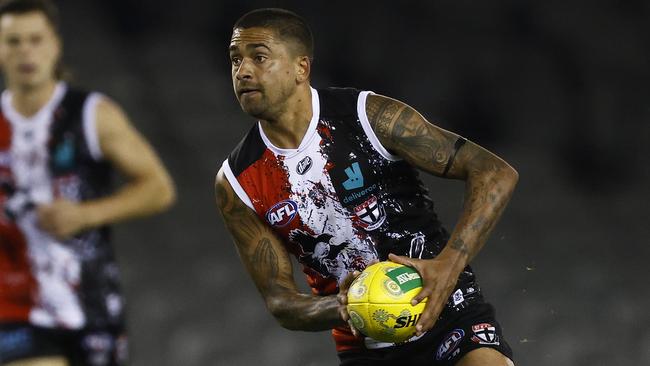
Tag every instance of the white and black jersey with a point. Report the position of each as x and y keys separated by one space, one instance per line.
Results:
x=341 y=199
x=55 y=153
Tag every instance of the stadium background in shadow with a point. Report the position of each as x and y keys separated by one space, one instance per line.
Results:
x=558 y=88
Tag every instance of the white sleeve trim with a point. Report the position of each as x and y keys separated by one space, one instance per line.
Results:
x=90 y=125
x=363 y=118
x=235 y=185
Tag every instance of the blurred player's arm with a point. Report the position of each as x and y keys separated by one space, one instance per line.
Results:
x=148 y=188
x=490 y=182
x=269 y=264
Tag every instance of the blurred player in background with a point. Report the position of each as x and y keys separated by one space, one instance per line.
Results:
x=329 y=175
x=60 y=300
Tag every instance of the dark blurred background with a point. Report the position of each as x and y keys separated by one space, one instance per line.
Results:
x=560 y=89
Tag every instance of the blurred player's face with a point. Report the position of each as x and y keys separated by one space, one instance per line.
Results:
x=29 y=49
x=265 y=73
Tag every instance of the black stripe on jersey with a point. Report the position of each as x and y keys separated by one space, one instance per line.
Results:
x=68 y=113
x=248 y=151
x=338 y=102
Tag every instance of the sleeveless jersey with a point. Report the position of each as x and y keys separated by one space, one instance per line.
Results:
x=54 y=154
x=341 y=199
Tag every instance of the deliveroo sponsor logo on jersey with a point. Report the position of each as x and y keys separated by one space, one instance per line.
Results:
x=355 y=177
x=64 y=154
x=355 y=181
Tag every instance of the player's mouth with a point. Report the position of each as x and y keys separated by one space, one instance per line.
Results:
x=26 y=68
x=248 y=91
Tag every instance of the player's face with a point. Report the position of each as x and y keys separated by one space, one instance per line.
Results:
x=29 y=49
x=263 y=71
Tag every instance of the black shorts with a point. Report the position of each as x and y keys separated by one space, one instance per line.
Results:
x=85 y=347
x=449 y=340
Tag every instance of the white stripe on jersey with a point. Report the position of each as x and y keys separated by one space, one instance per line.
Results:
x=56 y=267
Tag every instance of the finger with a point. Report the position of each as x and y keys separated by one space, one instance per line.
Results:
x=345 y=285
x=355 y=331
x=342 y=298
x=45 y=223
x=343 y=313
x=407 y=261
x=424 y=293
x=429 y=316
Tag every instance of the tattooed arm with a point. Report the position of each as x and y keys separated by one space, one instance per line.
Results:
x=268 y=263
x=490 y=182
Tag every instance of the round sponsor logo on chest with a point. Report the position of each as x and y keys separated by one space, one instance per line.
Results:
x=304 y=165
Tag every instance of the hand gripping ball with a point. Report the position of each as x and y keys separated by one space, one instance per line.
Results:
x=379 y=302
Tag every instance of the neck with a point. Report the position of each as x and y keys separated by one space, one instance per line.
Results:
x=29 y=100
x=288 y=128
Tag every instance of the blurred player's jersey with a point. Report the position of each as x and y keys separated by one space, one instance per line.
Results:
x=341 y=199
x=54 y=154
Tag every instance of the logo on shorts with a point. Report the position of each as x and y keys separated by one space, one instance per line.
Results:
x=457 y=297
x=485 y=333
x=304 y=165
x=282 y=213
x=449 y=344
x=371 y=213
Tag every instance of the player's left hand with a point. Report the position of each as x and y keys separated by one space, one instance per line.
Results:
x=439 y=278
x=342 y=298
x=62 y=218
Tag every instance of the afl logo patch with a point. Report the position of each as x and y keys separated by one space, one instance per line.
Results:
x=449 y=344
x=304 y=165
x=282 y=213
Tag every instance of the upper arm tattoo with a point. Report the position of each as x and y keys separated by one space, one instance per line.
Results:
x=403 y=130
x=259 y=248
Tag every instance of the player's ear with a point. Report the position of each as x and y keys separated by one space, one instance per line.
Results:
x=303 y=69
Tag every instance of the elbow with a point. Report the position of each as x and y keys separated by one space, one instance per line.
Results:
x=278 y=307
x=168 y=195
x=510 y=177
x=165 y=194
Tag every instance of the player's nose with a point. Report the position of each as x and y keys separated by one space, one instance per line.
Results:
x=244 y=71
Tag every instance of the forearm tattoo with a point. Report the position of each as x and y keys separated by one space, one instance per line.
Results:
x=266 y=257
x=490 y=181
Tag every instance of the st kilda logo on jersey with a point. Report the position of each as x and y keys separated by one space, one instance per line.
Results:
x=282 y=213
x=304 y=165
x=485 y=333
x=371 y=214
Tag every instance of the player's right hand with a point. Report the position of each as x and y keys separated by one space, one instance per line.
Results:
x=342 y=298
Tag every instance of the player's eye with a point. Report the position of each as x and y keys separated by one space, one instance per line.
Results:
x=35 y=40
x=235 y=60
x=260 y=58
x=13 y=41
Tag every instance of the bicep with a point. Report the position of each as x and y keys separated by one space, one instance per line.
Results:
x=122 y=144
x=260 y=250
x=405 y=132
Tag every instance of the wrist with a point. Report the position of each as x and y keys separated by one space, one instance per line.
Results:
x=457 y=259
x=90 y=217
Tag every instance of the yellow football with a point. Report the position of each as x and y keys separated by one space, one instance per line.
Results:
x=379 y=302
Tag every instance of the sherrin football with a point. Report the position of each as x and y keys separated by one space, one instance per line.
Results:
x=379 y=302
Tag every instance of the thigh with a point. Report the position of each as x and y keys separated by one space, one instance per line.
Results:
x=40 y=361
x=24 y=342
x=98 y=347
x=484 y=357
x=475 y=329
